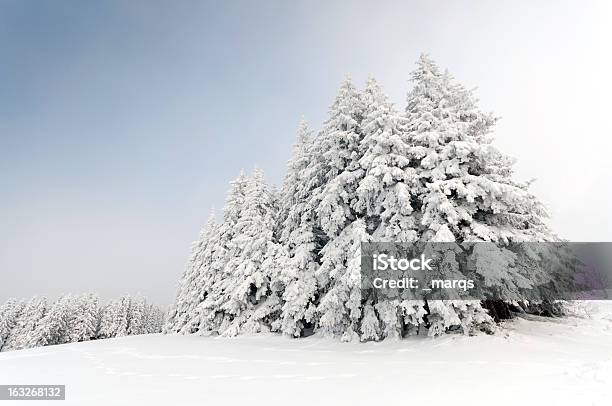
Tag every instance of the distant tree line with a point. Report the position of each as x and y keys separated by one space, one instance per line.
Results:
x=37 y=322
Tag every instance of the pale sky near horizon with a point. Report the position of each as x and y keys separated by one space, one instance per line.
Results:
x=122 y=122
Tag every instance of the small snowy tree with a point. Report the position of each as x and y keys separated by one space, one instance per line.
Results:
x=9 y=314
x=106 y=329
x=143 y=317
x=115 y=318
x=130 y=316
x=27 y=321
x=85 y=320
x=122 y=316
x=137 y=316
x=54 y=326
x=194 y=283
x=154 y=319
x=208 y=316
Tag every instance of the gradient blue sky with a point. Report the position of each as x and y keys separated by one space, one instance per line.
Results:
x=122 y=122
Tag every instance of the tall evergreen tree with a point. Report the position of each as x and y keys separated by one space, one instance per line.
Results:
x=335 y=165
x=301 y=237
x=385 y=198
x=294 y=191
x=336 y=153
x=249 y=297
x=385 y=194
x=193 y=285
x=466 y=184
x=466 y=188
x=213 y=278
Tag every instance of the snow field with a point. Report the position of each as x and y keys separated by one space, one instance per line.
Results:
x=533 y=360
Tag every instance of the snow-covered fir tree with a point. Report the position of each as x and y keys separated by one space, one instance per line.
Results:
x=107 y=327
x=27 y=321
x=127 y=316
x=465 y=184
x=138 y=316
x=209 y=316
x=301 y=237
x=192 y=289
x=385 y=193
x=9 y=314
x=466 y=188
x=201 y=290
x=121 y=316
x=384 y=199
x=236 y=278
x=248 y=295
x=144 y=318
x=335 y=161
x=53 y=328
x=154 y=317
x=293 y=193
x=84 y=324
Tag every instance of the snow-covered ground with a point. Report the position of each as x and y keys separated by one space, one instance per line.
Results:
x=534 y=361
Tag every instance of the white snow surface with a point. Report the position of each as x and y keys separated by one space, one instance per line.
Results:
x=533 y=360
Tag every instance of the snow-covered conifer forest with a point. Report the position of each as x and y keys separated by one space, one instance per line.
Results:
x=36 y=322
x=288 y=260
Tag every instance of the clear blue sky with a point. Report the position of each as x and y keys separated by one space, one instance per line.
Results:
x=121 y=122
